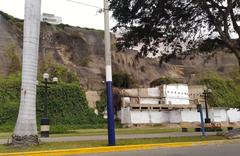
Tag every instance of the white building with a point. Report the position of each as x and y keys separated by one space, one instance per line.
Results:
x=51 y=19
x=172 y=103
x=175 y=94
x=171 y=94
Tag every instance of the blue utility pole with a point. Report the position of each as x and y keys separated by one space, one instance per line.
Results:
x=110 y=108
x=199 y=109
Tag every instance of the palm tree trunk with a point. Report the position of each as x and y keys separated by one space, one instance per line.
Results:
x=25 y=132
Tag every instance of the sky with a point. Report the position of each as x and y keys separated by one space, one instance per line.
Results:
x=72 y=13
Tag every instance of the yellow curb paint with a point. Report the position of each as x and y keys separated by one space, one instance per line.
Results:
x=113 y=148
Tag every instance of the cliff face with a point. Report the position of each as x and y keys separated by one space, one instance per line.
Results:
x=81 y=51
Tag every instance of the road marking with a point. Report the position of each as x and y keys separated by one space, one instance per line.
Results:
x=116 y=148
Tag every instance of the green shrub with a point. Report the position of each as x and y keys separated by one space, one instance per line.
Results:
x=55 y=69
x=163 y=80
x=13 y=57
x=209 y=45
x=123 y=80
x=102 y=104
x=12 y=20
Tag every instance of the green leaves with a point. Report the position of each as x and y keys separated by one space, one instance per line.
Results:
x=225 y=91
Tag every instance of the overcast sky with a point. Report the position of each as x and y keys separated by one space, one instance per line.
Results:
x=71 y=13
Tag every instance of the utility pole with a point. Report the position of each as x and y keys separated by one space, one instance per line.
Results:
x=108 y=61
x=110 y=108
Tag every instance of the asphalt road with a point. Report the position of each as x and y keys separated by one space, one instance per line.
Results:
x=208 y=150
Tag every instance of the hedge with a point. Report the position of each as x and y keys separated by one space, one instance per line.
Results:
x=67 y=105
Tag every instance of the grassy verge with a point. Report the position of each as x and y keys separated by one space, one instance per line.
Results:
x=5 y=135
x=94 y=132
x=81 y=144
x=145 y=130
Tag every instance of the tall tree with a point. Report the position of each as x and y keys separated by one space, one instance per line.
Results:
x=151 y=23
x=25 y=132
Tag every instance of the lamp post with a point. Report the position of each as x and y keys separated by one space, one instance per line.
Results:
x=199 y=109
x=45 y=123
x=206 y=93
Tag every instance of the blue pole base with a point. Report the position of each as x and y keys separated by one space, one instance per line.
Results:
x=110 y=114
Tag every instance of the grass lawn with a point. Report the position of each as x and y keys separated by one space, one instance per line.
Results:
x=139 y=130
x=92 y=132
x=71 y=145
x=5 y=135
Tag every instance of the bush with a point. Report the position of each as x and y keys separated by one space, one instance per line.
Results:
x=102 y=104
x=163 y=80
x=12 y=20
x=13 y=57
x=123 y=80
x=55 y=69
x=209 y=45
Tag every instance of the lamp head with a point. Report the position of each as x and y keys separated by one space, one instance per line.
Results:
x=209 y=90
x=55 y=79
x=46 y=76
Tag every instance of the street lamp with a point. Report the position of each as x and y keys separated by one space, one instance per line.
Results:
x=206 y=92
x=45 y=123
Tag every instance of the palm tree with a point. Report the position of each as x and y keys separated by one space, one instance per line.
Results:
x=25 y=132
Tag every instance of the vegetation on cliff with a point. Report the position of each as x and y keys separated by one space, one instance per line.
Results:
x=225 y=90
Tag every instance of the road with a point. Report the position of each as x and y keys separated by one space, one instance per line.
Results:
x=208 y=150
x=122 y=136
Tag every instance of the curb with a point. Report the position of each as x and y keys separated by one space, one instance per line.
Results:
x=106 y=149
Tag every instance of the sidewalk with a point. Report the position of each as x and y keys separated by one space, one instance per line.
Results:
x=122 y=136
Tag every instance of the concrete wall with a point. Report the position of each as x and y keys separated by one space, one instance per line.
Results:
x=233 y=115
x=188 y=115
x=176 y=116
x=218 y=115
x=149 y=101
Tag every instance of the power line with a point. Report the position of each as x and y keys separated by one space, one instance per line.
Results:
x=85 y=4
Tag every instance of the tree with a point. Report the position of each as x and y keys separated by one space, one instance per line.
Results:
x=153 y=23
x=25 y=132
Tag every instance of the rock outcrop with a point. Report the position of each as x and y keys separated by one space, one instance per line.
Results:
x=81 y=50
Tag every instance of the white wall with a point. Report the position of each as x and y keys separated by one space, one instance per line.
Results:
x=128 y=116
x=176 y=116
x=233 y=115
x=218 y=115
x=153 y=92
x=149 y=101
x=125 y=115
x=158 y=117
x=192 y=115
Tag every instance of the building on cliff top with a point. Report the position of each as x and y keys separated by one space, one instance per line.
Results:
x=51 y=19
